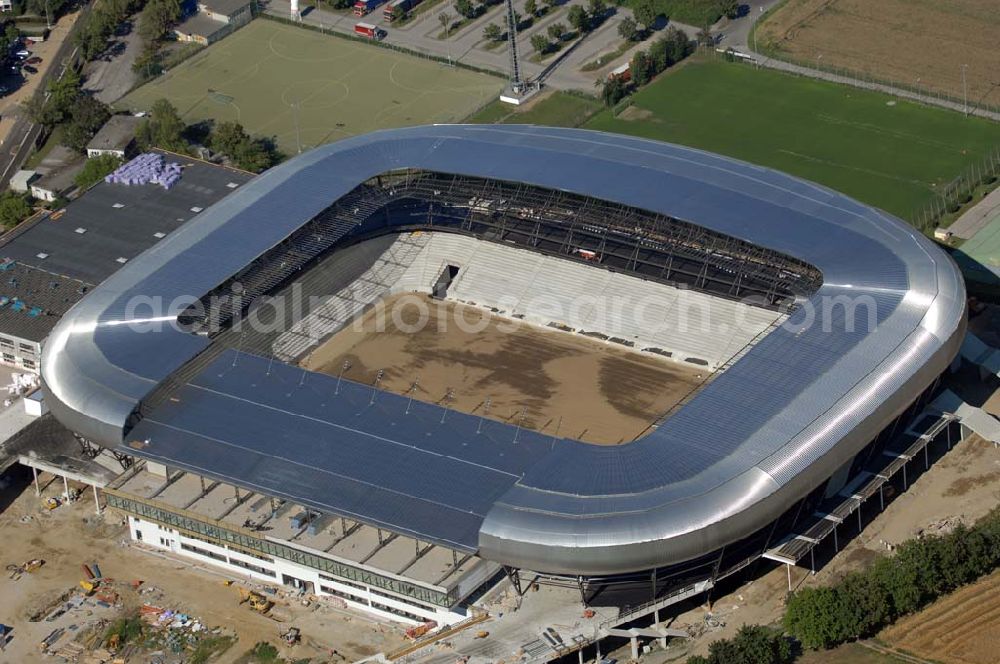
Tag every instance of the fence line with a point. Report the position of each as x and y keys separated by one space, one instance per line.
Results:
x=873 y=79
x=958 y=192
x=380 y=44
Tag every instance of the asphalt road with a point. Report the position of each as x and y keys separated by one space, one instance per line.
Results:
x=24 y=133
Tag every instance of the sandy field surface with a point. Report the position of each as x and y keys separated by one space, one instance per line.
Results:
x=962 y=628
x=896 y=40
x=72 y=534
x=547 y=380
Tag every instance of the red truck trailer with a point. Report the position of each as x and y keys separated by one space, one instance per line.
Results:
x=389 y=13
x=363 y=7
x=370 y=31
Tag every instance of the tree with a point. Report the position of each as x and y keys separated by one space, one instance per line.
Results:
x=63 y=93
x=556 y=31
x=705 y=36
x=493 y=32
x=730 y=8
x=465 y=8
x=10 y=34
x=87 y=116
x=753 y=644
x=156 y=18
x=613 y=90
x=678 y=45
x=628 y=29
x=645 y=14
x=539 y=43
x=531 y=8
x=597 y=10
x=95 y=169
x=256 y=155
x=14 y=209
x=640 y=68
x=578 y=18
x=444 y=18
x=227 y=138
x=163 y=128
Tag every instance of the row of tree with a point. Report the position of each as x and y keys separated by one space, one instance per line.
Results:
x=666 y=51
x=920 y=571
x=80 y=114
x=165 y=129
x=105 y=20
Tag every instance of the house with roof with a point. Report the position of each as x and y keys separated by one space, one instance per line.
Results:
x=116 y=137
x=214 y=20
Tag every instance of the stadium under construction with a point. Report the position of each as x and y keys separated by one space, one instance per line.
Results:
x=813 y=328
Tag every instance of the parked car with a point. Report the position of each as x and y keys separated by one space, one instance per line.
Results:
x=34 y=61
x=23 y=54
x=30 y=69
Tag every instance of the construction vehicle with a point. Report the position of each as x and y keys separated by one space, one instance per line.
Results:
x=417 y=631
x=292 y=636
x=257 y=601
x=482 y=634
x=51 y=503
x=89 y=586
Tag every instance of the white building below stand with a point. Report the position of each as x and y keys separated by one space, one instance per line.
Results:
x=273 y=541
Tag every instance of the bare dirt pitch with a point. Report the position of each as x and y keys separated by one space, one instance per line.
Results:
x=960 y=628
x=896 y=40
x=563 y=382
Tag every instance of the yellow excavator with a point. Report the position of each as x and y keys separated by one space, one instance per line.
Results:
x=257 y=601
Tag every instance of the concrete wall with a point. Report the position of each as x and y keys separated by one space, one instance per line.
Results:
x=280 y=572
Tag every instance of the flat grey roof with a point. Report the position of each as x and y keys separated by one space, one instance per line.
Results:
x=200 y=25
x=773 y=426
x=120 y=221
x=227 y=7
x=34 y=300
x=116 y=134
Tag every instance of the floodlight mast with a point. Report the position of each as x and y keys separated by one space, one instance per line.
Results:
x=516 y=84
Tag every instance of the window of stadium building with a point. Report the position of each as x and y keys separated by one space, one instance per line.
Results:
x=240 y=541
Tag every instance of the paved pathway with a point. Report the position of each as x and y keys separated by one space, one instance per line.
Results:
x=978 y=216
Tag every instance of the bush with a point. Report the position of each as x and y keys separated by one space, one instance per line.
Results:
x=95 y=169
x=920 y=571
x=14 y=208
x=753 y=644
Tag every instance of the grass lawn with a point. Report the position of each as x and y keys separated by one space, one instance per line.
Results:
x=559 y=109
x=888 y=153
x=259 y=74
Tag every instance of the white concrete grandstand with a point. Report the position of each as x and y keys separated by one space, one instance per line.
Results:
x=685 y=325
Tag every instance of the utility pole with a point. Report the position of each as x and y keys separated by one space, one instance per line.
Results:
x=298 y=135
x=516 y=84
x=965 y=92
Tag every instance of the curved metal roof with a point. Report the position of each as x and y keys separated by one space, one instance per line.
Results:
x=764 y=433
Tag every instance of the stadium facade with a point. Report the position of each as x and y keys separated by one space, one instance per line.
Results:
x=867 y=314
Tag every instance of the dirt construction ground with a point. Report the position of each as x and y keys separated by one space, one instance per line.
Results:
x=72 y=534
x=565 y=383
x=905 y=41
x=962 y=628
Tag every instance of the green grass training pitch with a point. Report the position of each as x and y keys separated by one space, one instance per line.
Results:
x=886 y=152
x=259 y=74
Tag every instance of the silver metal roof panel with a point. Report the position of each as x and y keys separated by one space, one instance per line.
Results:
x=759 y=436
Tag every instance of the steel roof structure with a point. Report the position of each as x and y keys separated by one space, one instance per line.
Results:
x=764 y=433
